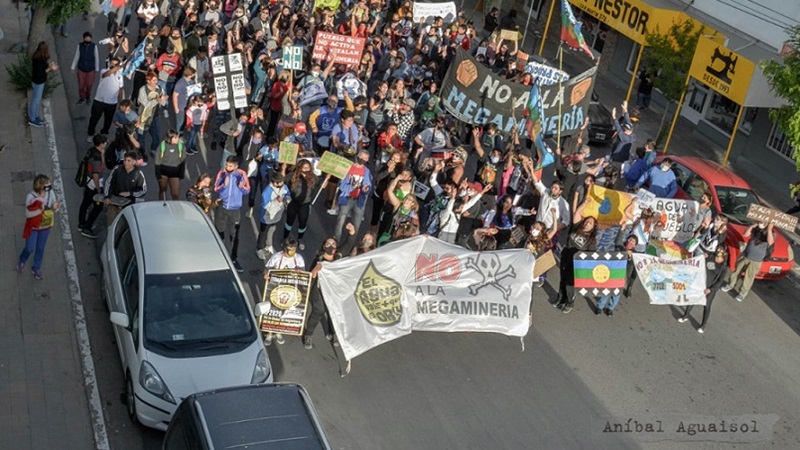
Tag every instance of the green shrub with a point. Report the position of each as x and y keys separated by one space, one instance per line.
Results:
x=21 y=72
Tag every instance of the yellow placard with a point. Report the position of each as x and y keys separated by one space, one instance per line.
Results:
x=335 y=165
x=606 y=205
x=287 y=153
x=509 y=35
x=722 y=69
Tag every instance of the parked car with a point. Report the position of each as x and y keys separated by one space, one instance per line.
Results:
x=732 y=197
x=601 y=124
x=264 y=416
x=181 y=319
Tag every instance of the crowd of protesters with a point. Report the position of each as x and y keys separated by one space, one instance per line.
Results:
x=416 y=170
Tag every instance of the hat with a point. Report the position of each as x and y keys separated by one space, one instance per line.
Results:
x=271 y=44
x=410 y=102
x=460 y=153
x=627 y=126
x=300 y=127
x=475 y=186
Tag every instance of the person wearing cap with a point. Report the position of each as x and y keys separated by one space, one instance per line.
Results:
x=300 y=137
x=660 y=179
x=625 y=135
x=87 y=63
x=274 y=199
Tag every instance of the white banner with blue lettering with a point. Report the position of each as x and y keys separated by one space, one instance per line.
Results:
x=424 y=284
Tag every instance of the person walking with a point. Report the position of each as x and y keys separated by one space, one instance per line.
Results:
x=716 y=270
x=760 y=240
x=583 y=238
x=329 y=252
x=302 y=185
x=287 y=258
x=109 y=92
x=354 y=191
x=41 y=66
x=170 y=163
x=274 y=199
x=95 y=161
x=40 y=208
x=87 y=63
x=231 y=185
x=201 y=194
x=126 y=184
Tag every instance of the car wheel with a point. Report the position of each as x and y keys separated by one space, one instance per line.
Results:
x=130 y=400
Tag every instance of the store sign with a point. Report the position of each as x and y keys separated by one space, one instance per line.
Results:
x=722 y=69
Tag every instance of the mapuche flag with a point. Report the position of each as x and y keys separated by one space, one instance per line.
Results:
x=600 y=274
x=533 y=126
x=571 y=30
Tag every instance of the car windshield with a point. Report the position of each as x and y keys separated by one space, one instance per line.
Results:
x=735 y=202
x=195 y=312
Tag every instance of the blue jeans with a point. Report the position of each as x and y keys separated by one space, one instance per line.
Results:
x=601 y=303
x=154 y=135
x=193 y=132
x=36 y=101
x=35 y=244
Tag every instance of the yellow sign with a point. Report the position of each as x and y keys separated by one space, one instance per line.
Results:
x=632 y=18
x=722 y=69
x=287 y=153
x=606 y=205
x=335 y=165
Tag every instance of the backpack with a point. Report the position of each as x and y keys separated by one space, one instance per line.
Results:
x=82 y=174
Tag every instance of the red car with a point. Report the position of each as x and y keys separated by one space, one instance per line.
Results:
x=732 y=197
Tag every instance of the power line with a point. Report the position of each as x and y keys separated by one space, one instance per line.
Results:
x=767 y=20
x=762 y=15
x=792 y=19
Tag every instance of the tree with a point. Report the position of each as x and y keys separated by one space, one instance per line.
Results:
x=784 y=79
x=672 y=54
x=51 y=12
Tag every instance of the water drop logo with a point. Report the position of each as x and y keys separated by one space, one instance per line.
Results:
x=379 y=298
x=605 y=207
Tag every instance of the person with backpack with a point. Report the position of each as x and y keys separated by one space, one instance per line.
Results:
x=170 y=162
x=90 y=178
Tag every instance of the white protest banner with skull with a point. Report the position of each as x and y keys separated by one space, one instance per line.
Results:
x=372 y=299
x=672 y=281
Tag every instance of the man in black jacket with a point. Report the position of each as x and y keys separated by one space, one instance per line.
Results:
x=126 y=184
x=716 y=271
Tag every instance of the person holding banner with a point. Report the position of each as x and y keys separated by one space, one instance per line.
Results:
x=329 y=252
x=582 y=239
x=716 y=272
x=608 y=303
x=302 y=185
x=760 y=239
x=287 y=258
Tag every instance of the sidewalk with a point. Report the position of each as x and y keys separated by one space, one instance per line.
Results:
x=43 y=392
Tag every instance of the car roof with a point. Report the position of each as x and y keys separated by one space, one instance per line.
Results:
x=265 y=416
x=712 y=172
x=177 y=237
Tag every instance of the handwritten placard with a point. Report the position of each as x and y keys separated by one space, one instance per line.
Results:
x=287 y=153
x=780 y=219
x=335 y=165
x=345 y=49
x=509 y=35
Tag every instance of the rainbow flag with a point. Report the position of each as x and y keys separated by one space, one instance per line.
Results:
x=571 y=30
x=533 y=126
x=667 y=250
x=600 y=273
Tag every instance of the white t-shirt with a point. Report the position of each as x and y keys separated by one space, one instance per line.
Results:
x=108 y=88
x=281 y=261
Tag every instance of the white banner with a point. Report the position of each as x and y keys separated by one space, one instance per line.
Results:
x=544 y=75
x=679 y=282
x=678 y=218
x=373 y=299
x=424 y=12
x=352 y=84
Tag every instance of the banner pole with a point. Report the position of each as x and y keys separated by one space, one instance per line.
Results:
x=733 y=135
x=527 y=22
x=561 y=103
x=677 y=113
x=633 y=76
x=547 y=26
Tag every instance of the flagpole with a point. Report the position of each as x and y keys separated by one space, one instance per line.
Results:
x=561 y=103
x=635 y=70
x=547 y=26
x=527 y=22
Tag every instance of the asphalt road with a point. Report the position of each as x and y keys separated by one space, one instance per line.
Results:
x=472 y=390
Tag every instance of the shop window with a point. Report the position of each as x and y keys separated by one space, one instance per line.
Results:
x=748 y=118
x=697 y=99
x=632 y=58
x=722 y=113
x=778 y=143
x=594 y=32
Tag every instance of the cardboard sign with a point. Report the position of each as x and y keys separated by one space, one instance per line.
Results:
x=284 y=306
x=645 y=198
x=509 y=35
x=544 y=263
x=333 y=164
x=347 y=50
x=780 y=219
x=421 y=190
x=425 y=12
x=287 y=153
x=293 y=57
x=229 y=82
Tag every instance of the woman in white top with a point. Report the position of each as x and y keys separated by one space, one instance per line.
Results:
x=287 y=258
x=40 y=207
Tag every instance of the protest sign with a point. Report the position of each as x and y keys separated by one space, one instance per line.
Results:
x=606 y=205
x=544 y=263
x=473 y=93
x=666 y=250
x=509 y=35
x=284 y=305
x=335 y=165
x=292 y=57
x=421 y=190
x=781 y=220
x=678 y=218
x=544 y=75
x=672 y=281
x=600 y=273
x=287 y=153
x=425 y=12
x=345 y=49
x=229 y=82
x=444 y=288
x=644 y=198
x=350 y=83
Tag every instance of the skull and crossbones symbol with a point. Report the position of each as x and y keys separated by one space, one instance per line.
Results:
x=488 y=266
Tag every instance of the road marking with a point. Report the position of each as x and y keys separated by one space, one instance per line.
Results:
x=78 y=312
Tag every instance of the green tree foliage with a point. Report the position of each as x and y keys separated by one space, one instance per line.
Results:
x=668 y=58
x=784 y=79
x=51 y=12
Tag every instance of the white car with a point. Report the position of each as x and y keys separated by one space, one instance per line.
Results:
x=182 y=321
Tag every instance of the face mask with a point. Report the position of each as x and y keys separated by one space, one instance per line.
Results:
x=495 y=159
x=315 y=73
x=49 y=188
x=329 y=249
x=363 y=161
x=470 y=192
x=291 y=252
x=760 y=226
x=256 y=141
x=462 y=193
x=331 y=104
x=665 y=168
x=535 y=233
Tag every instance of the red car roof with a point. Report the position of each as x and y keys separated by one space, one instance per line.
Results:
x=710 y=171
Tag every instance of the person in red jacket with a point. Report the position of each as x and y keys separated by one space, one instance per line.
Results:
x=168 y=66
x=279 y=89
